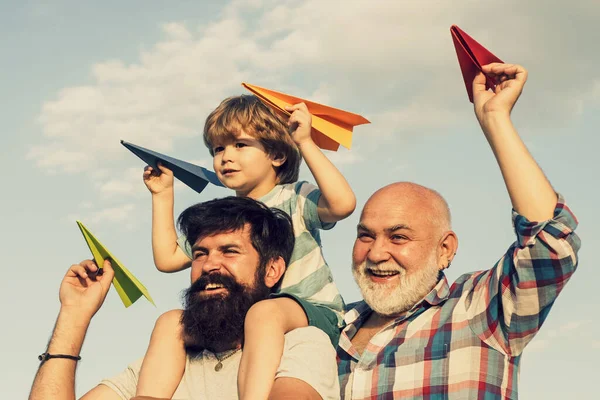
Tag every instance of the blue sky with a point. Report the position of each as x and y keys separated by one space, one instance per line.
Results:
x=80 y=76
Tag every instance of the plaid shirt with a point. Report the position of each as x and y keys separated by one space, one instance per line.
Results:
x=466 y=341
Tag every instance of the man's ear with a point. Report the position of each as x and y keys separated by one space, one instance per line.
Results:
x=274 y=271
x=277 y=160
x=448 y=245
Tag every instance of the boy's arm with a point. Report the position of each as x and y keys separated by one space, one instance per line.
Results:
x=164 y=362
x=531 y=194
x=337 y=200
x=168 y=256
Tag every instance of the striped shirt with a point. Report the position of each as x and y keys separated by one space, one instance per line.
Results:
x=465 y=341
x=307 y=276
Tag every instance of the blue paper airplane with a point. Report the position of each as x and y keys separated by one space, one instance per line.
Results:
x=194 y=176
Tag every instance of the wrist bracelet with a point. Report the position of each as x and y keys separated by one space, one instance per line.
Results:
x=46 y=356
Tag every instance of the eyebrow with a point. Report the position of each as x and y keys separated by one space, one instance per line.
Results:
x=391 y=229
x=197 y=248
x=222 y=247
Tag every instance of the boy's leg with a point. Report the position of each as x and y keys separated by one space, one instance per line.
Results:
x=164 y=362
x=308 y=362
x=264 y=328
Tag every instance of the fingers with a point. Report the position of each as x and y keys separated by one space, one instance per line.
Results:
x=299 y=106
x=502 y=72
x=108 y=273
x=78 y=271
x=84 y=269
x=149 y=171
x=300 y=115
x=479 y=83
x=164 y=169
x=108 y=269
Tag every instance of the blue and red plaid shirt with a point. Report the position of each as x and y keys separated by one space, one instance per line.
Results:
x=466 y=341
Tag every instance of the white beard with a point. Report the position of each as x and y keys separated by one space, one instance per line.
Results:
x=398 y=297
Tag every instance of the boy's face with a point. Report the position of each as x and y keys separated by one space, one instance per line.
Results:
x=243 y=165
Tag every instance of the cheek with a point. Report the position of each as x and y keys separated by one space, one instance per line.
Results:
x=195 y=271
x=411 y=257
x=359 y=252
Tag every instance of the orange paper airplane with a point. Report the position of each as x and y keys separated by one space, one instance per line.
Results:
x=471 y=57
x=330 y=126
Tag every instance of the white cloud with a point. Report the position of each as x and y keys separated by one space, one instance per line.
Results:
x=86 y=205
x=52 y=157
x=567 y=328
x=538 y=345
x=126 y=184
x=117 y=214
x=344 y=157
x=394 y=63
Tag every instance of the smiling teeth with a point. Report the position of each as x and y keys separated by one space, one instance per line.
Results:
x=212 y=286
x=384 y=273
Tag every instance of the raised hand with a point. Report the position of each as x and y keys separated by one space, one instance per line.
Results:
x=509 y=78
x=85 y=286
x=299 y=123
x=157 y=181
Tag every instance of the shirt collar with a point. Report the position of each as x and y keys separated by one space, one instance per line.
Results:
x=439 y=293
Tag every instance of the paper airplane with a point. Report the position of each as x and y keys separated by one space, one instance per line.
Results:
x=192 y=175
x=471 y=57
x=127 y=285
x=330 y=126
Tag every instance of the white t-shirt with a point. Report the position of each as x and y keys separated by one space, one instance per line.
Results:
x=308 y=355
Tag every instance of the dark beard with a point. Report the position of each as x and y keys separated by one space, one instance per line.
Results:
x=217 y=323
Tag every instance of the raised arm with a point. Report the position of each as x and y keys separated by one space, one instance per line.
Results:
x=510 y=302
x=82 y=293
x=337 y=199
x=531 y=194
x=168 y=256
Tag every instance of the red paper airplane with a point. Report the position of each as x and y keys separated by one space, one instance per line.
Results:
x=471 y=56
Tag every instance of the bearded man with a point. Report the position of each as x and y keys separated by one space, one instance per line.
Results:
x=254 y=244
x=416 y=337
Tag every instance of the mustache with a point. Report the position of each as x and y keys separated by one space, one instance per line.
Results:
x=382 y=267
x=201 y=283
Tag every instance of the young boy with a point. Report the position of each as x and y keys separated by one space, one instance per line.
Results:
x=255 y=155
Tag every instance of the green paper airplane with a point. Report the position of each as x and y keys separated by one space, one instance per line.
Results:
x=127 y=285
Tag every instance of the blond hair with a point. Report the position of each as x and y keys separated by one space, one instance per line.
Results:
x=248 y=113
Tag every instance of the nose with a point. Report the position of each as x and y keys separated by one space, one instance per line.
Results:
x=378 y=251
x=227 y=155
x=212 y=262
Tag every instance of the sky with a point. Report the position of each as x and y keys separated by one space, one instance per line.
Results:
x=77 y=77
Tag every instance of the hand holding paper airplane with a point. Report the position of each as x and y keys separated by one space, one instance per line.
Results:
x=510 y=77
x=126 y=285
x=471 y=57
x=300 y=122
x=85 y=286
x=194 y=176
x=330 y=126
x=158 y=180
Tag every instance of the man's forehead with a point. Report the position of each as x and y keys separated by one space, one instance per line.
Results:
x=392 y=215
x=385 y=219
x=237 y=236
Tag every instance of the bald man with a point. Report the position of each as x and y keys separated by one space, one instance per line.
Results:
x=416 y=337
